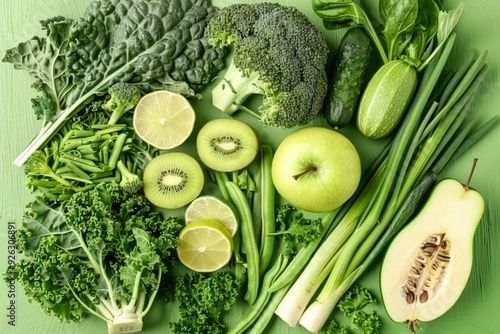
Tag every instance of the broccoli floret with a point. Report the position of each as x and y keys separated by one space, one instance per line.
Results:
x=277 y=53
x=130 y=182
x=124 y=97
x=37 y=165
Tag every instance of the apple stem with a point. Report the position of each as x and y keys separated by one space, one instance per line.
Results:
x=466 y=185
x=310 y=169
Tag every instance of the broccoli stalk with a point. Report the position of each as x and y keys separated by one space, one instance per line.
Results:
x=124 y=97
x=234 y=88
x=37 y=165
x=130 y=182
x=279 y=54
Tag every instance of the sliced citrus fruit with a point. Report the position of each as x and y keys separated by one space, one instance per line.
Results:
x=205 y=245
x=211 y=207
x=164 y=119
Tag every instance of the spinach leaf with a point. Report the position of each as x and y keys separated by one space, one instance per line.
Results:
x=342 y=13
x=447 y=20
x=425 y=29
x=400 y=20
x=430 y=10
x=384 y=6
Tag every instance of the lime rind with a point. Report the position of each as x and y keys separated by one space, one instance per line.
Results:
x=205 y=246
x=164 y=119
x=212 y=207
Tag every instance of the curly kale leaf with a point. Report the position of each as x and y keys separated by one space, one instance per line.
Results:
x=102 y=249
x=353 y=304
x=336 y=328
x=202 y=300
x=294 y=229
x=355 y=299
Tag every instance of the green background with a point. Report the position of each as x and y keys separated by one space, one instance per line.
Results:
x=475 y=312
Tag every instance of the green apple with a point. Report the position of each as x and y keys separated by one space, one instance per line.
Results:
x=316 y=169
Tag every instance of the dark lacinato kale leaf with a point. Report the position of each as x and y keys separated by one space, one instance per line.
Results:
x=151 y=44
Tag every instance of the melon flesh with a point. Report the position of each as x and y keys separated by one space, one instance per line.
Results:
x=448 y=222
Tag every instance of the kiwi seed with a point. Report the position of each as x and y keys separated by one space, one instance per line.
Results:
x=172 y=180
x=227 y=144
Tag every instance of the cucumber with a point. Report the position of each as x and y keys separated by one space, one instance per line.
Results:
x=385 y=99
x=348 y=76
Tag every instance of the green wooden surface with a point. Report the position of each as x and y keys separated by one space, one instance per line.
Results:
x=475 y=312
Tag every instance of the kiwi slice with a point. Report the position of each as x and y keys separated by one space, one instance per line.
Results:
x=172 y=180
x=227 y=144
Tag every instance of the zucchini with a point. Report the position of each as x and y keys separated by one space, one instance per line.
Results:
x=348 y=76
x=385 y=99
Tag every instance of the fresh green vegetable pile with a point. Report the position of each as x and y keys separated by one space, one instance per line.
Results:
x=94 y=245
x=413 y=31
x=90 y=149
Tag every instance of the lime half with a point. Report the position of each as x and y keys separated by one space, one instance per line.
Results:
x=210 y=207
x=205 y=245
x=164 y=119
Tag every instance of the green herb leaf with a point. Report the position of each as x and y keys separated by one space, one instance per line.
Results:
x=400 y=20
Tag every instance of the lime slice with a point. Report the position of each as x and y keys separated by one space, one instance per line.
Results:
x=210 y=207
x=163 y=119
x=205 y=245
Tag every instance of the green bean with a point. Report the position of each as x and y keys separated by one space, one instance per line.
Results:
x=248 y=239
x=82 y=166
x=251 y=314
x=267 y=208
x=44 y=183
x=82 y=133
x=234 y=177
x=105 y=179
x=64 y=197
x=100 y=175
x=91 y=157
x=222 y=178
x=75 y=177
x=77 y=159
x=54 y=149
x=66 y=137
x=111 y=129
x=74 y=143
x=126 y=148
x=265 y=317
x=86 y=149
x=46 y=151
x=62 y=170
x=117 y=149
x=75 y=169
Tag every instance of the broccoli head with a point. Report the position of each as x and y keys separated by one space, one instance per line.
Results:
x=123 y=97
x=279 y=54
x=130 y=182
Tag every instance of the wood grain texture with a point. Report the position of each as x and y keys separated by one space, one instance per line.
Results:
x=475 y=312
